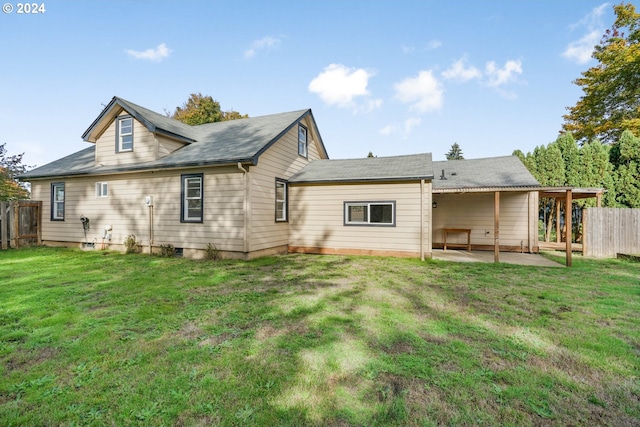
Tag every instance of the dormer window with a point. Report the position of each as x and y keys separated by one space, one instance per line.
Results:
x=124 y=134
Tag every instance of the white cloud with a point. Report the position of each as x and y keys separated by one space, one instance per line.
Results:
x=592 y=19
x=433 y=44
x=406 y=127
x=156 y=55
x=498 y=76
x=460 y=72
x=407 y=49
x=265 y=43
x=389 y=129
x=580 y=50
x=411 y=123
x=369 y=106
x=423 y=92
x=339 y=85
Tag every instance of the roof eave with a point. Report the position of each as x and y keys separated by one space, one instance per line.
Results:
x=362 y=180
x=488 y=189
x=150 y=168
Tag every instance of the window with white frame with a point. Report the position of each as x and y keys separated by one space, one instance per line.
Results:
x=281 y=200
x=370 y=213
x=124 y=134
x=192 y=198
x=302 y=141
x=57 y=201
x=102 y=189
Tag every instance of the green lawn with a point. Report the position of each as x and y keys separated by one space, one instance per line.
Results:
x=101 y=338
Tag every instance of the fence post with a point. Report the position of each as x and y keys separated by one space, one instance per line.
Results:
x=15 y=223
x=4 y=226
x=584 y=232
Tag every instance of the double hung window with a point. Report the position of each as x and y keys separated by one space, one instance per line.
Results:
x=124 y=134
x=281 y=200
x=57 y=201
x=302 y=141
x=192 y=198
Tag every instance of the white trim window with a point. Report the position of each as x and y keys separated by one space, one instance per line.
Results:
x=302 y=141
x=124 y=134
x=57 y=201
x=370 y=213
x=102 y=189
x=281 y=200
x=192 y=198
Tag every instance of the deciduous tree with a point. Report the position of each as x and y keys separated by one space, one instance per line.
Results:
x=200 y=109
x=610 y=102
x=10 y=167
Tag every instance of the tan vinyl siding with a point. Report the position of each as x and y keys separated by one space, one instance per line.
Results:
x=475 y=211
x=281 y=160
x=317 y=217
x=167 y=146
x=144 y=146
x=126 y=211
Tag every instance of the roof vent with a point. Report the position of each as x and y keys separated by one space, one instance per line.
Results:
x=442 y=177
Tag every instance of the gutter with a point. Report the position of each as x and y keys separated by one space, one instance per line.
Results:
x=154 y=168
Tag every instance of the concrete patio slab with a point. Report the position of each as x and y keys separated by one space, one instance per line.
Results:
x=487 y=256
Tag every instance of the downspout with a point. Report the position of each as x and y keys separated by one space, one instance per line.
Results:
x=529 y=222
x=151 y=229
x=422 y=220
x=246 y=209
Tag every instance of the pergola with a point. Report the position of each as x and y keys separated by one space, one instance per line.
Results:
x=569 y=194
x=559 y=193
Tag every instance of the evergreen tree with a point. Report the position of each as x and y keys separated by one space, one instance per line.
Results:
x=628 y=172
x=455 y=153
x=570 y=155
x=595 y=171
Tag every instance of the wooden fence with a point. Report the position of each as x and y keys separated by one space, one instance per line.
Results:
x=609 y=231
x=20 y=223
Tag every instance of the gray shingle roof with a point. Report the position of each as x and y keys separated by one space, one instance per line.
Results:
x=410 y=167
x=229 y=142
x=493 y=172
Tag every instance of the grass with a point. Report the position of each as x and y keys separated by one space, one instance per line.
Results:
x=100 y=338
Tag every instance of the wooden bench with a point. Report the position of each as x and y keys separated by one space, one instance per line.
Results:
x=457 y=230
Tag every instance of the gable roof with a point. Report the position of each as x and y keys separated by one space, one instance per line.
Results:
x=221 y=143
x=154 y=122
x=492 y=172
x=396 y=168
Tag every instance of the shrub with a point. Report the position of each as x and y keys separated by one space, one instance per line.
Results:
x=211 y=252
x=131 y=244
x=167 y=250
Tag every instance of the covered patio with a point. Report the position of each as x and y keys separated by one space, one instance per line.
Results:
x=516 y=258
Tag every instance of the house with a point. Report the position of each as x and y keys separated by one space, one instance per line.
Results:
x=265 y=185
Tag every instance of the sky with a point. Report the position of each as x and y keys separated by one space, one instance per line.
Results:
x=391 y=78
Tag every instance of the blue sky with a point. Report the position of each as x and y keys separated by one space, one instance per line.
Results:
x=392 y=78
